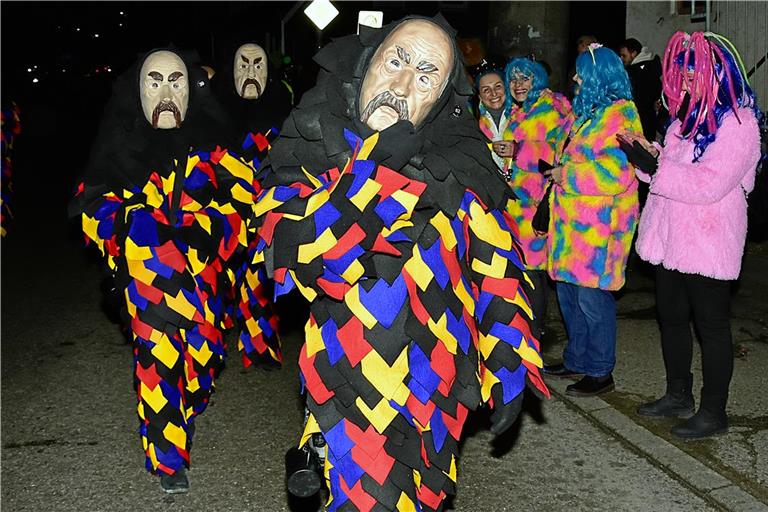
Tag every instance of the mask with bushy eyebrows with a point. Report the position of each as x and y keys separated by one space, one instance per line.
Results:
x=250 y=71
x=164 y=89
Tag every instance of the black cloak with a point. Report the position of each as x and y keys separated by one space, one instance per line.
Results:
x=446 y=149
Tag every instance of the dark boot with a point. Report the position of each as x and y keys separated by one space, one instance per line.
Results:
x=676 y=403
x=176 y=483
x=702 y=425
x=302 y=472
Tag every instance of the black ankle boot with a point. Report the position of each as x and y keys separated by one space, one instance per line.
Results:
x=676 y=403
x=177 y=483
x=701 y=425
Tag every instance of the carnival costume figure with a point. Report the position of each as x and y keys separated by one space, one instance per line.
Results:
x=383 y=207
x=168 y=207
x=256 y=104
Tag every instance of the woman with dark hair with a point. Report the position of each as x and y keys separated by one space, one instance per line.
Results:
x=594 y=212
x=492 y=111
x=695 y=221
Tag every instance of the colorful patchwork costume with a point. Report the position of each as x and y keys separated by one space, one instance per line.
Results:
x=169 y=209
x=9 y=130
x=419 y=308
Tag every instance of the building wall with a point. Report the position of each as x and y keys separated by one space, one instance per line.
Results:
x=520 y=28
x=652 y=24
x=745 y=24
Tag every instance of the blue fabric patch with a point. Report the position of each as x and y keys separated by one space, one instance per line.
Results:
x=421 y=371
x=196 y=179
x=337 y=439
x=506 y=333
x=325 y=216
x=331 y=341
x=143 y=229
x=361 y=170
x=384 y=301
x=512 y=382
x=439 y=430
x=434 y=261
x=389 y=210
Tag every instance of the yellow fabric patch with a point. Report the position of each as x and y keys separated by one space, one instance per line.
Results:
x=386 y=379
x=310 y=428
x=202 y=356
x=181 y=305
x=352 y=300
x=138 y=271
x=176 y=435
x=404 y=504
x=196 y=265
x=380 y=416
x=153 y=397
x=487 y=229
x=443 y=226
x=486 y=344
x=365 y=194
x=314 y=341
x=418 y=269
x=134 y=252
x=310 y=251
x=165 y=353
x=306 y=291
x=497 y=268
x=404 y=198
x=266 y=203
x=440 y=329
x=464 y=296
x=488 y=380
x=368 y=146
x=237 y=168
x=354 y=272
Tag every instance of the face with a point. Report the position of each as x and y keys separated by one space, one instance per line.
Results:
x=406 y=76
x=520 y=86
x=491 y=91
x=576 y=78
x=164 y=89
x=627 y=56
x=250 y=69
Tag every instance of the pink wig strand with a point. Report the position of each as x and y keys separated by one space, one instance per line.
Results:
x=703 y=86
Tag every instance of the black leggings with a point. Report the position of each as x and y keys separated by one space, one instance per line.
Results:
x=539 y=299
x=678 y=298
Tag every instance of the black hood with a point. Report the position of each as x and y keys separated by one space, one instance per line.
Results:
x=127 y=149
x=249 y=116
x=447 y=146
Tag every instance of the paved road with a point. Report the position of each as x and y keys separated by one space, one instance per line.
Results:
x=69 y=438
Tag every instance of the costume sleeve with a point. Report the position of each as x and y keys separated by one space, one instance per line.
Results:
x=258 y=343
x=509 y=353
x=597 y=165
x=727 y=160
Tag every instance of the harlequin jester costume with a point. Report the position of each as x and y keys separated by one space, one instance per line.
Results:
x=254 y=125
x=9 y=130
x=419 y=309
x=168 y=209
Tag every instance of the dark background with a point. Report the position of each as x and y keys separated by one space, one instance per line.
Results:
x=74 y=68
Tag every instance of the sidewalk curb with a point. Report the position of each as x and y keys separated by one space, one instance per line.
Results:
x=708 y=484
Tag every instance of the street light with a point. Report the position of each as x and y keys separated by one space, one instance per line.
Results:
x=321 y=12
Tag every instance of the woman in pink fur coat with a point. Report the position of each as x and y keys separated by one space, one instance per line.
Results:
x=694 y=224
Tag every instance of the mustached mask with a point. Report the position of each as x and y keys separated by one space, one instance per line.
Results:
x=164 y=89
x=406 y=75
x=250 y=71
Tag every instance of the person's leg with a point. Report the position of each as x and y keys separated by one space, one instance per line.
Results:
x=538 y=299
x=574 y=355
x=711 y=303
x=599 y=309
x=673 y=312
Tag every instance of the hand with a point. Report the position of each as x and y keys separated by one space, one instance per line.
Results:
x=631 y=138
x=504 y=148
x=555 y=174
x=504 y=415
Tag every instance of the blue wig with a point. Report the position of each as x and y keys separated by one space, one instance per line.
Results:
x=604 y=81
x=529 y=68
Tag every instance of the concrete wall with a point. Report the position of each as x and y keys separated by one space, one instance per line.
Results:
x=520 y=28
x=652 y=24
x=745 y=24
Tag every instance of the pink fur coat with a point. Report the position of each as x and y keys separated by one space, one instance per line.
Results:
x=695 y=219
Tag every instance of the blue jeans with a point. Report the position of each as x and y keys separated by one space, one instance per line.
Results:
x=590 y=319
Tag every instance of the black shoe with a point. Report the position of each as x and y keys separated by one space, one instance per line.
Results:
x=675 y=405
x=701 y=425
x=559 y=370
x=176 y=483
x=591 y=386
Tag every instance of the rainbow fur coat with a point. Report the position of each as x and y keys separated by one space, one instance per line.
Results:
x=595 y=209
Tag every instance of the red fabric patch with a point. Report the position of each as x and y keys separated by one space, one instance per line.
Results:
x=148 y=376
x=260 y=140
x=413 y=294
x=149 y=292
x=442 y=363
x=352 y=237
x=455 y=425
x=422 y=412
x=506 y=287
x=169 y=255
x=352 y=341
x=217 y=155
x=315 y=385
x=358 y=496
x=333 y=289
x=428 y=497
x=381 y=245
